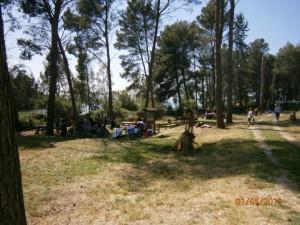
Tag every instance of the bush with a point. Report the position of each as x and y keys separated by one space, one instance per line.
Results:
x=27 y=120
x=63 y=109
x=24 y=125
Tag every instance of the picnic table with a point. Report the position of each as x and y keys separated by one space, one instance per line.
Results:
x=126 y=123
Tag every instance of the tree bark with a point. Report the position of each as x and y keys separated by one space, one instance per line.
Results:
x=178 y=90
x=262 y=79
x=152 y=60
x=69 y=78
x=12 y=210
x=238 y=80
x=53 y=68
x=88 y=92
x=196 y=93
x=219 y=86
x=213 y=77
x=187 y=97
x=208 y=92
x=195 y=82
x=203 y=91
x=106 y=28
x=230 y=62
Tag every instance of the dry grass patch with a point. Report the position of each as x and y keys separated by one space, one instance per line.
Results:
x=101 y=181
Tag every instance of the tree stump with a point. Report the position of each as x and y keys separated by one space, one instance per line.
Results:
x=185 y=142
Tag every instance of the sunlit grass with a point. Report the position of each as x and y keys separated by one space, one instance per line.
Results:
x=145 y=180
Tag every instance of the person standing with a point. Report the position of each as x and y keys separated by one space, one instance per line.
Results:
x=63 y=127
x=277 y=112
x=250 y=116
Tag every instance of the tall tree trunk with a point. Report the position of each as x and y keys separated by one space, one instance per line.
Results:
x=219 y=86
x=208 y=92
x=184 y=82
x=178 y=90
x=196 y=93
x=203 y=93
x=230 y=62
x=12 y=209
x=262 y=81
x=152 y=95
x=152 y=60
x=238 y=80
x=213 y=77
x=106 y=29
x=69 y=78
x=272 y=88
x=195 y=81
x=53 y=68
x=88 y=92
x=147 y=92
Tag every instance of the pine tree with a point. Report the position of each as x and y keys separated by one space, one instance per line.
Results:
x=12 y=209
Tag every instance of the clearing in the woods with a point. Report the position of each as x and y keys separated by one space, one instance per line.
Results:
x=238 y=175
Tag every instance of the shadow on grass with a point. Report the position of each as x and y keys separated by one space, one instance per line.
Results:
x=289 y=157
x=163 y=136
x=137 y=151
x=156 y=161
x=280 y=123
x=40 y=142
x=267 y=129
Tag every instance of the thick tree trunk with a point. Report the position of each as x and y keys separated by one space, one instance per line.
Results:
x=12 y=209
x=69 y=78
x=219 y=86
x=230 y=62
x=53 y=68
x=110 y=98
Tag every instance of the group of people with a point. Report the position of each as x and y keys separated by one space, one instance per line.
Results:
x=138 y=129
x=251 y=113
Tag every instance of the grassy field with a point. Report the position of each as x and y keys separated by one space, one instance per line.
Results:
x=105 y=181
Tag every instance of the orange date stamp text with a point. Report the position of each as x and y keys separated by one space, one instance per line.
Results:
x=259 y=201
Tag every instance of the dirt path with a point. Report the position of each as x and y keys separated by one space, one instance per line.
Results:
x=262 y=144
x=283 y=178
x=286 y=136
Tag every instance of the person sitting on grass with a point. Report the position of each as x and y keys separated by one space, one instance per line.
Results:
x=130 y=131
x=117 y=132
x=250 y=116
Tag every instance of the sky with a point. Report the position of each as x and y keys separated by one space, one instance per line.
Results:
x=277 y=21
